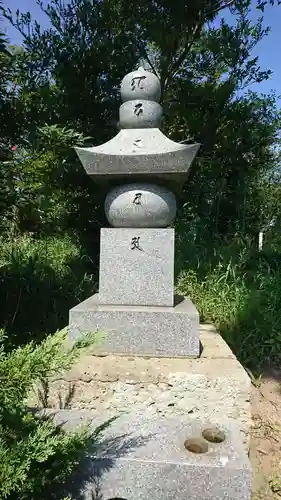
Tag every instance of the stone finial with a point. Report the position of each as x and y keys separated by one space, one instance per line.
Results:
x=140 y=152
x=140 y=93
x=140 y=84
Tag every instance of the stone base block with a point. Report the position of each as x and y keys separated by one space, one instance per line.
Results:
x=139 y=330
x=163 y=459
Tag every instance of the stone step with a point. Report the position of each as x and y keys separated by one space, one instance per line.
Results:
x=140 y=457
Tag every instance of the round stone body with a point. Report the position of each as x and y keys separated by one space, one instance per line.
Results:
x=140 y=114
x=140 y=84
x=140 y=205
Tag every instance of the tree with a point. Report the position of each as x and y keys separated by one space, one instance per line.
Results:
x=70 y=75
x=95 y=43
x=3 y=40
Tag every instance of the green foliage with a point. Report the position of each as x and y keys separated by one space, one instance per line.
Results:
x=62 y=87
x=91 y=45
x=55 y=138
x=238 y=289
x=48 y=183
x=61 y=90
x=36 y=455
x=40 y=280
x=7 y=194
x=47 y=264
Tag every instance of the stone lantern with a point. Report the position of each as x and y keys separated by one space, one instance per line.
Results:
x=143 y=171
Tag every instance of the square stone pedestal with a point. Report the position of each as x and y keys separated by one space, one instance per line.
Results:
x=139 y=330
x=137 y=266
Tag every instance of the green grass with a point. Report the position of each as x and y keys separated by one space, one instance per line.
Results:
x=233 y=286
x=40 y=280
x=240 y=292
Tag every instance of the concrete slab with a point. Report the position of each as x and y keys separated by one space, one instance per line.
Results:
x=159 y=458
x=205 y=387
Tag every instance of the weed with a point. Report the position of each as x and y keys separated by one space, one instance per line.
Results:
x=241 y=294
x=275 y=483
x=40 y=280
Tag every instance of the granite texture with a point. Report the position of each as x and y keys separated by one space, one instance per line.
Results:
x=139 y=155
x=137 y=267
x=140 y=114
x=141 y=143
x=140 y=205
x=139 y=330
x=145 y=458
x=140 y=148
x=140 y=84
x=208 y=387
x=138 y=151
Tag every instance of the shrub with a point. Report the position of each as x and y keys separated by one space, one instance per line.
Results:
x=36 y=456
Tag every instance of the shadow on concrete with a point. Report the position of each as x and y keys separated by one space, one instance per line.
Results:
x=94 y=457
x=100 y=457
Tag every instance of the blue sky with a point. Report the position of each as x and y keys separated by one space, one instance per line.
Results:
x=268 y=50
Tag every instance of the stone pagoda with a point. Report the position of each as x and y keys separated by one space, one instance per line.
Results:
x=182 y=424
x=143 y=171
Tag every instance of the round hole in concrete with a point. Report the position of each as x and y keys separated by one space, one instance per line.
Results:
x=214 y=435
x=196 y=445
x=116 y=498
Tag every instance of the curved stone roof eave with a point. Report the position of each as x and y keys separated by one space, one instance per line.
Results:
x=138 y=151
